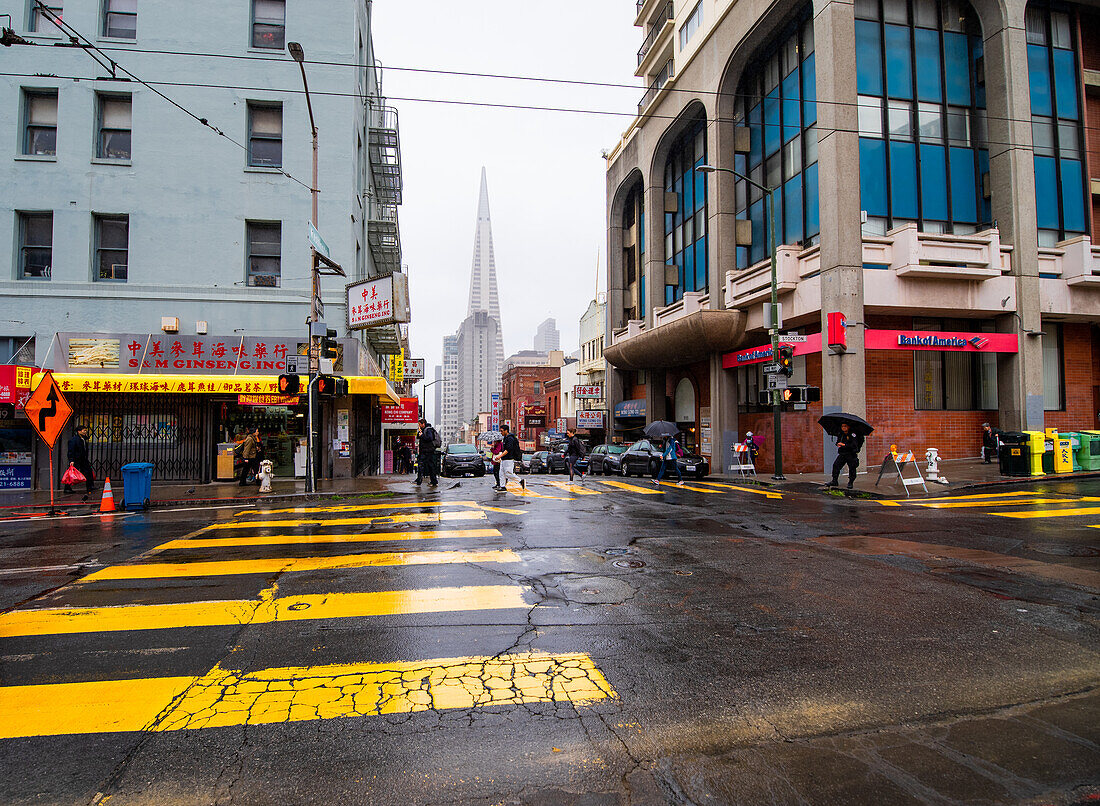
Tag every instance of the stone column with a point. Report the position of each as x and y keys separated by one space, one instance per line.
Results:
x=655 y=247
x=655 y=395
x=1012 y=182
x=843 y=385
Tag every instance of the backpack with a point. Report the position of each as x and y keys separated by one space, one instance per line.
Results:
x=238 y=450
x=437 y=441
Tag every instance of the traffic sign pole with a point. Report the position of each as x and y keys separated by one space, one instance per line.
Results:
x=48 y=411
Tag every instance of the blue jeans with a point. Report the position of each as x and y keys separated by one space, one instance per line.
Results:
x=675 y=466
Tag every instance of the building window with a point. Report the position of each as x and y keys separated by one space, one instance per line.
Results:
x=922 y=118
x=41 y=21
x=686 y=229
x=954 y=381
x=120 y=19
x=749 y=383
x=634 y=255
x=1056 y=124
x=265 y=135
x=1054 y=380
x=114 y=127
x=778 y=105
x=264 y=253
x=35 y=245
x=268 y=24
x=694 y=23
x=112 y=239
x=40 y=122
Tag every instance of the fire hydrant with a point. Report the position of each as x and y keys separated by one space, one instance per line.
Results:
x=265 y=475
x=932 y=456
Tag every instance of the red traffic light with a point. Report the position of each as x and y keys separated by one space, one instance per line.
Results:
x=289 y=385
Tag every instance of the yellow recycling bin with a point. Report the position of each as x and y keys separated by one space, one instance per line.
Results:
x=1036 y=444
x=1063 y=454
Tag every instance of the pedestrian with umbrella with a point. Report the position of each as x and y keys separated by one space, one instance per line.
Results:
x=849 y=431
x=663 y=430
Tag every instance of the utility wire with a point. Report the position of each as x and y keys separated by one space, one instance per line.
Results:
x=76 y=37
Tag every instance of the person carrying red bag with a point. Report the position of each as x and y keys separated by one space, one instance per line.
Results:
x=78 y=457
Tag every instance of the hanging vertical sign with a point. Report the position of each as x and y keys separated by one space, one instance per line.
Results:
x=494 y=411
x=397 y=367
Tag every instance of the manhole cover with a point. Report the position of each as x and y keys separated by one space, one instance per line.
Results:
x=628 y=564
x=618 y=552
x=1065 y=550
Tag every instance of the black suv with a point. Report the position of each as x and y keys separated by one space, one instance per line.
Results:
x=462 y=459
x=643 y=458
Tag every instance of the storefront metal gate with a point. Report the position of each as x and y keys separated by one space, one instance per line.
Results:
x=171 y=431
x=368 y=435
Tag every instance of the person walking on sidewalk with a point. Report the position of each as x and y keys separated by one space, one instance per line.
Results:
x=496 y=452
x=78 y=455
x=250 y=452
x=511 y=453
x=574 y=452
x=848 y=446
x=428 y=442
x=990 y=442
x=668 y=456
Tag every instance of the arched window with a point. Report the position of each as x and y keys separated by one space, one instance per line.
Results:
x=922 y=124
x=686 y=229
x=634 y=255
x=1055 y=122
x=777 y=101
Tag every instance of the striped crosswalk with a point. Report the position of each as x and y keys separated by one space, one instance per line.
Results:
x=305 y=567
x=1018 y=505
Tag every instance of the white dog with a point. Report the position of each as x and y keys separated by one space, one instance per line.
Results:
x=265 y=475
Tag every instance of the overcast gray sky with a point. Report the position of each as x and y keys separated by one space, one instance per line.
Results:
x=545 y=172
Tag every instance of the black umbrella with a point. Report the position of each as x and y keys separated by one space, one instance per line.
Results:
x=661 y=429
x=857 y=425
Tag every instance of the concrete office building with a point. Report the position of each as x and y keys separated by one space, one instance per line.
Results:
x=125 y=215
x=547 y=337
x=449 y=419
x=590 y=410
x=436 y=408
x=934 y=183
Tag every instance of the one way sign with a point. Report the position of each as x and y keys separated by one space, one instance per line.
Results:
x=48 y=410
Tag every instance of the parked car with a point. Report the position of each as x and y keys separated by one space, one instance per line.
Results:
x=606 y=459
x=537 y=463
x=462 y=459
x=643 y=458
x=524 y=464
x=555 y=460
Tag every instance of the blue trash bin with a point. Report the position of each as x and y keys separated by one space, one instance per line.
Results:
x=137 y=485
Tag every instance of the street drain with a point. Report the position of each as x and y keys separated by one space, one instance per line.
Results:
x=1064 y=550
x=628 y=564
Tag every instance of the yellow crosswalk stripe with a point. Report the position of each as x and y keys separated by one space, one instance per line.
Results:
x=1001 y=503
x=361 y=507
x=571 y=488
x=289 y=540
x=756 y=490
x=622 y=485
x=268 y=608
x=1049 y=513
x=686 y=486
x=289 y=565
x=416 y=517
x=966 y=497
x=515 y=489
x=224 y=697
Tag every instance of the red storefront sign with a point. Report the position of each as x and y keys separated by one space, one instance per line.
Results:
x=937 y=340
x=406 y=413
x=758 y=355
x=267 y=400
x=15 y=384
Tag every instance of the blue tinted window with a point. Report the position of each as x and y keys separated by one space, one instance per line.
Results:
x=792 y=214
x=1046 y=193
x=933 y=183
x=1038 y=74
x=689 y=269
x=791 y=123
x=809 y=90
x=964 y=195
x=701 y=260
x=956 y=60
x=899 y=73
x=928 y=65
x=983 y=171
x=1073 y=204
x=868 y=58
x=813 y=227
x=1065 y=83
x=759 y=236
x=872 y=176
x=772 y=131
x=903 y=180
x=700 y=187
x=687 y=203
x=756 y=136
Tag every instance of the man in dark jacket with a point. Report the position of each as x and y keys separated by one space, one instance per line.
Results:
x=512 y=454
x=78 y=455
x=426 y=445
x=990 y=439
x=574 y=452
x=848 y=445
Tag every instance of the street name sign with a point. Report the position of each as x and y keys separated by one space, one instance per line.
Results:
x=773 y=369
x=793 y=338
x=48 y=410
x=318 y=242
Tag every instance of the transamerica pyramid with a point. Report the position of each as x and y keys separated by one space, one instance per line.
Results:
x=480 y=339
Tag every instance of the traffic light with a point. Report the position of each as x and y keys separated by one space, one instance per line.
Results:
x=289 y=385
x=341 y=389
x=801 y=394
x=786 y=359
x=329 y=346
x=763 y=397
x=331 y=386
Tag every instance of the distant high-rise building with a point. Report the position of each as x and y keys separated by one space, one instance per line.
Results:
x=437 y=397
x=547 y=337
x=449 y=421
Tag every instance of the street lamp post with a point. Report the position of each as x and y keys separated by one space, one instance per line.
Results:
x=774 y=330
x=298 y=54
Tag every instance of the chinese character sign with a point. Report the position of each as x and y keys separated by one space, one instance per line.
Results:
x=593 y=392
x=370 y=303
x=414 y=369
x=494 y=412
x=397 y=367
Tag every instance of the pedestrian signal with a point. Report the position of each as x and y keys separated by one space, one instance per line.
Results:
x=801 y=394
x=326 y=386
x=289 y=385
x=329 y=346
x=786 y=359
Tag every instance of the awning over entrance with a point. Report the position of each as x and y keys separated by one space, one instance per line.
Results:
x=684 y=341
x=204 y=384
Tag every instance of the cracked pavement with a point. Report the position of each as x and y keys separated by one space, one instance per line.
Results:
x=461 y=646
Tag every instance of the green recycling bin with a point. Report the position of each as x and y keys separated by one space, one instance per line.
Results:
x=1088 y=455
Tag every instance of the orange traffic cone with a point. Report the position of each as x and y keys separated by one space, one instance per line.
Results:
x=107 y=504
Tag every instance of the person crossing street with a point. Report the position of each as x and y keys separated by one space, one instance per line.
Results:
x=510 y=455
x=574 y=452
x=427 y=443
x=668 y=457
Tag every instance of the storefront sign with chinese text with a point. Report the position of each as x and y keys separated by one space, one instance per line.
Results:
x=494 y=411
x=15 y=384
x=379 y=301
x=162 y=354
x=268 y=400
x=590 y=419
x=407 y=413
x=591 y=392
x=630 y=408
x=414 y=369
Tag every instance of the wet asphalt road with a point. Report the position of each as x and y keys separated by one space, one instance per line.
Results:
x=592 y=645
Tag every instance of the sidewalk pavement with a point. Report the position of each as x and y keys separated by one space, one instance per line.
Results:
x=961 y=474
x=14 y=503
